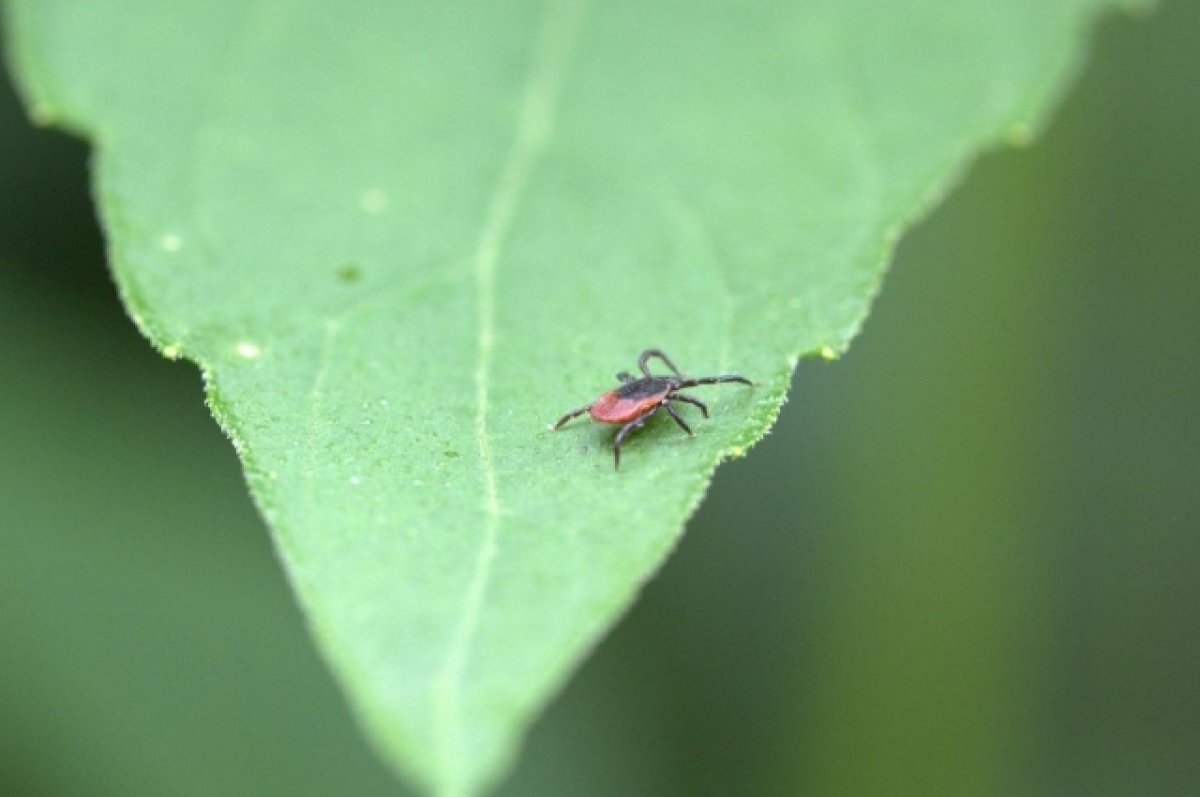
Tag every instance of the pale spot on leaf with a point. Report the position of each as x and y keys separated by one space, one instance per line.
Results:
x=248 y=350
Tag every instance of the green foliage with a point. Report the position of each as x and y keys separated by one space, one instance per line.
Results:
x=401 y=239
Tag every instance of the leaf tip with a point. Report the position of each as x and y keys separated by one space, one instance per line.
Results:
x=43 y=114
x=1020 y=134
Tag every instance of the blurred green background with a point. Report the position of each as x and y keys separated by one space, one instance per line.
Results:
x=967 y=561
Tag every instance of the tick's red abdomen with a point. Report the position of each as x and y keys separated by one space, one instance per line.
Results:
x=613 y=407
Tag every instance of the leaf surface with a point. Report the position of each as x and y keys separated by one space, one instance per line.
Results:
x=402 y=238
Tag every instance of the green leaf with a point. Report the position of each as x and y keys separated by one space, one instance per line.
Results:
x=402 y=238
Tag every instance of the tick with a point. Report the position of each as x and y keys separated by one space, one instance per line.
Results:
x=637 y=400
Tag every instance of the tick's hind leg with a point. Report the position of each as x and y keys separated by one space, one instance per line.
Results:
x=693 y=401
x=648 y=353
x=636 y=423
x=671 y=411
x=572 y=414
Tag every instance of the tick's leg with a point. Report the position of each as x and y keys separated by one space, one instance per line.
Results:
x=715 y=380
x=572 y=414
x=648 y=353
x=694 y=401
x=636 y=423
x=624 y=377
x=671 y=411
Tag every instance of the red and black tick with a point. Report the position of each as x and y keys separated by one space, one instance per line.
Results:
x=637 y=400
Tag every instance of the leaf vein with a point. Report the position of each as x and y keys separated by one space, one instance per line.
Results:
x=316 y=394
x=534 y=126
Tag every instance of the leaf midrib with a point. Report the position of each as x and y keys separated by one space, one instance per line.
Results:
x=556 y=37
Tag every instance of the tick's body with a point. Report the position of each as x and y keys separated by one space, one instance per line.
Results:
x=637 y=400
x=631 y=400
